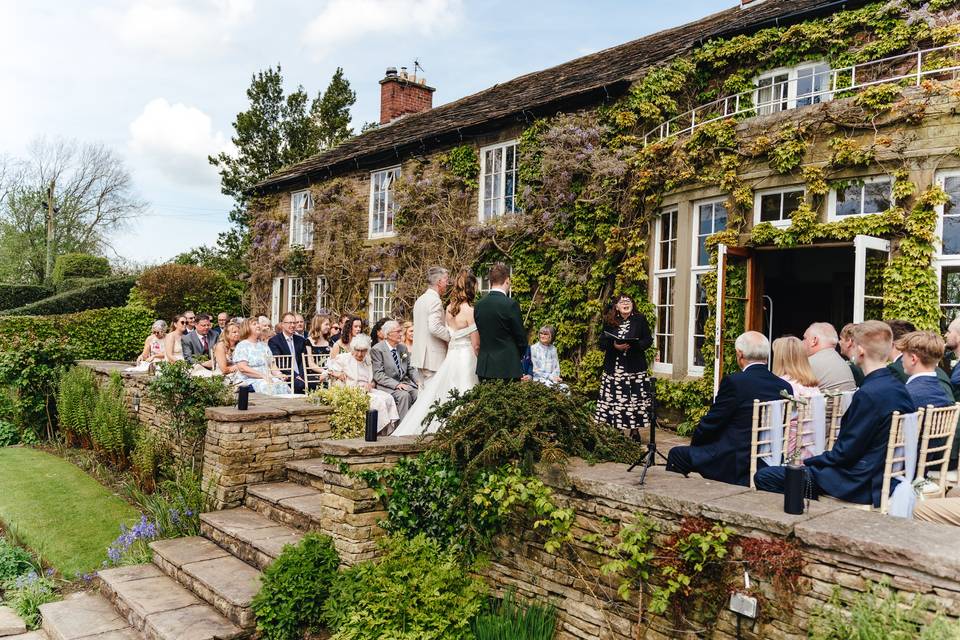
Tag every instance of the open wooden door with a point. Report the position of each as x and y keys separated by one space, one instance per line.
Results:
x=870 y=257
x=745 y=288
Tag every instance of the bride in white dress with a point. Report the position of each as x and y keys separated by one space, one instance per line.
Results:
x=459 y=368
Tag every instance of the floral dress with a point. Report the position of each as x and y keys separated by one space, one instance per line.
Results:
x=257 y=356
x=545 y=365
x=624 y=400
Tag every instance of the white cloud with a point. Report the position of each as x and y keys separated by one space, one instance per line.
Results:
x=179 y=29
x=343 y=21
x=175 y=139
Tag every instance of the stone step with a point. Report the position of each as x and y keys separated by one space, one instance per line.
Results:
x=39 y=634
x=161 y=609
x=289 y=503
x=10 y=623
x=248 y=535
x=84 y=615
x=226 y=582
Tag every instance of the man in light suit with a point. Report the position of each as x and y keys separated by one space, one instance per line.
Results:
x=198 y=344
x=392 y=369
x=430 y=333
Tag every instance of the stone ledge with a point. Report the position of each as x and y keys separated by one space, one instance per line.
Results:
x=763 y=511
x=360 y=447
x=232 y=414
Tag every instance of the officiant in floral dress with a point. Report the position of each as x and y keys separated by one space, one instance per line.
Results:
x=624 y=400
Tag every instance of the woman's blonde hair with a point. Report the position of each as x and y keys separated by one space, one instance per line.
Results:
x=245 y=328
x=790 y=359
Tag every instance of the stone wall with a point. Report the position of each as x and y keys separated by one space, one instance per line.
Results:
x=844 y=548
x=135 y=386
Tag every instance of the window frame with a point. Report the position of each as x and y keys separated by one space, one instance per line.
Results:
x=389 y=230
x=667 y=275
x=696 y=270
x=323 y=291
x=294 y=284
x=940 y=258
x=832 y=197
x=500 y=199
x=758 y=197
x=390 y=286
x=301 y=231
x=790 y=98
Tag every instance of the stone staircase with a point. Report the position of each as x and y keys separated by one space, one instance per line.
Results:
x=200 y=588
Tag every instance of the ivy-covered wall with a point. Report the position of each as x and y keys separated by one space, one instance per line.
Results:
x=589 y=188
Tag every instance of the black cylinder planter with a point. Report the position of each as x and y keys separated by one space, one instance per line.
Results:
x=243 y=398
x=793 y=489
x=370 y=432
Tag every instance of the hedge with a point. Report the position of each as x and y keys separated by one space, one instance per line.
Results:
x=111 y=292
x=71 y=284
x=98 y=334
x=79 y=265
x=15 y=295
x=169 y=289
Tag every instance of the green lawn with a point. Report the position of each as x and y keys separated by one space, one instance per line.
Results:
x=57 y=510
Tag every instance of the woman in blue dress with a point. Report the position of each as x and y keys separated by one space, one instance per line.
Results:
x=252 y=359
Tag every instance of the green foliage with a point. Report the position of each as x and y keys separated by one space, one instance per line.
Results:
x=16 y=295
x=113 y=429
x=111 y=292
x=331 y=111
x=847 y=152
x=177 y=503
x=417 y=591
x=184 y=399
x=349 y=405
x=170 y=289
x=149 y=453
x=98 y=334
x=76 y=283
x=631 y=555
x=878 y=98
x=79 y=265
x=788 y=151
x=508 y=619
x=879 y=613
x=30 y=369
x=464 y=162
x=76 y=401
x=501 y=422
x=294 y=588
x=26 y=593
x=14 y=561
x=689 y=397
x=9 y=434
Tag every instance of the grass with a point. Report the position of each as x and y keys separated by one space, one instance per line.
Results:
x=61 y=513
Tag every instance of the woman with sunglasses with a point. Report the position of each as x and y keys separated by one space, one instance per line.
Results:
x=172 y=344
x=624 y=400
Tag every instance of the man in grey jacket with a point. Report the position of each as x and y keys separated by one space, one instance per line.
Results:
x=198 y=344
x=832 y=371
x=392 y=371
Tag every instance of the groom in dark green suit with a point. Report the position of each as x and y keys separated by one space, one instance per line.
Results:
x=503 y=339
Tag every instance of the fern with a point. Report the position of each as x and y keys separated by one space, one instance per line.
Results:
x=76 y=400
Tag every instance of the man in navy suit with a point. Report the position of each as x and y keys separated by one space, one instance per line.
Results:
x=853 y=469
x=286 y=343
x=922 y=350
x=720 y=449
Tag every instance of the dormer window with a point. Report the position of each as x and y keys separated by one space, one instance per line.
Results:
x=792 y=87
x=301 y=230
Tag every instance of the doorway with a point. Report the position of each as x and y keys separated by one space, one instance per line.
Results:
x=805 y=285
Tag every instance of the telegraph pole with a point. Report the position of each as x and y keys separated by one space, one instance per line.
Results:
x=48 y=267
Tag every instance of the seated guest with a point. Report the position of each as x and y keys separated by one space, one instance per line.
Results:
x=191 y=319
x=289 y=343
x=544 y=362
x=223 y=318
x=853 y=469
x=267 y=329
x=833 y=374
x=376 y=333
x=336 y=328
x=252 y=358
x=846 y=350
x=350 y=330
x=391 y=368
x=173 y=342
x=318 y=343
x=223 y=353
x=198 y=345
x=901 y=328
x=408 y=335
x=952 y=340
x=790 y=363
x=720 y=449
x=353 y=369
x=153 y=346
x=920 y=353
x=300 y=327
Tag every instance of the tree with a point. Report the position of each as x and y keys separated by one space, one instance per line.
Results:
x=64 y=197
x=331 y=112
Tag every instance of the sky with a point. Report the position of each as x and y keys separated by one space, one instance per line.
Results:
x=160 y=81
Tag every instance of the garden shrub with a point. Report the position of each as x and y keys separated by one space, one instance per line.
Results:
x=349 y=405
x=76 y=400
x=171 y=288
x=501 y=422
x=176 y=505
x=30 y=369
x=184 y=399
x=14 y=561
x=417 y=591
x=25 y=594
x=509 y=620
x=112 y=292
x=76 y=283
x=149 y=453
x=79 y=265
x=16 y=295
x=98 y=334
x=113 y=429
x=294 y=588
x=9 y=434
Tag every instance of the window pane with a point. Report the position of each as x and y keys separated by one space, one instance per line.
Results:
x=848 y=200
x=770 y=207
x=706 y=219
x=719 y=217
x=951 y=235
x=791 y=202
x=876 y=196
x=952 y=186
x=950 y=286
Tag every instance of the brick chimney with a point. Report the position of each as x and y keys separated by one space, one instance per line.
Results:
x=402 y=93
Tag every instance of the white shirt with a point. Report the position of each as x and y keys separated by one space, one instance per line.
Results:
x=753 y=364
x=501 y=290
x=922 y=374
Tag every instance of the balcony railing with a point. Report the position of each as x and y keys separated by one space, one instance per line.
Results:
x=818 y=86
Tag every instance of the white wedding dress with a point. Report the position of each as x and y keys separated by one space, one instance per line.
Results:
x=458 y=371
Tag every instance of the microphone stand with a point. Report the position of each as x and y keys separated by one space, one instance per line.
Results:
x=649 y=459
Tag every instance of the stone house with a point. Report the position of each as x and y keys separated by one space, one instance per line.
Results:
x=824 y=137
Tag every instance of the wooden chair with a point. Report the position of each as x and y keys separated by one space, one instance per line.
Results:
x=896 y=455
x=936 y=441
x=835 y=411
x=800 y=429
x=762 y=433
x=314 y=370
x=284 y=364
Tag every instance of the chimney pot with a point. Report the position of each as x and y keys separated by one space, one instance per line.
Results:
x=391 y=72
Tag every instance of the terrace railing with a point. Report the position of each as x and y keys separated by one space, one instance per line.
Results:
x=820 y=84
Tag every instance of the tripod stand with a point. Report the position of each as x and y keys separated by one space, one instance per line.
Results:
x=649 y=459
